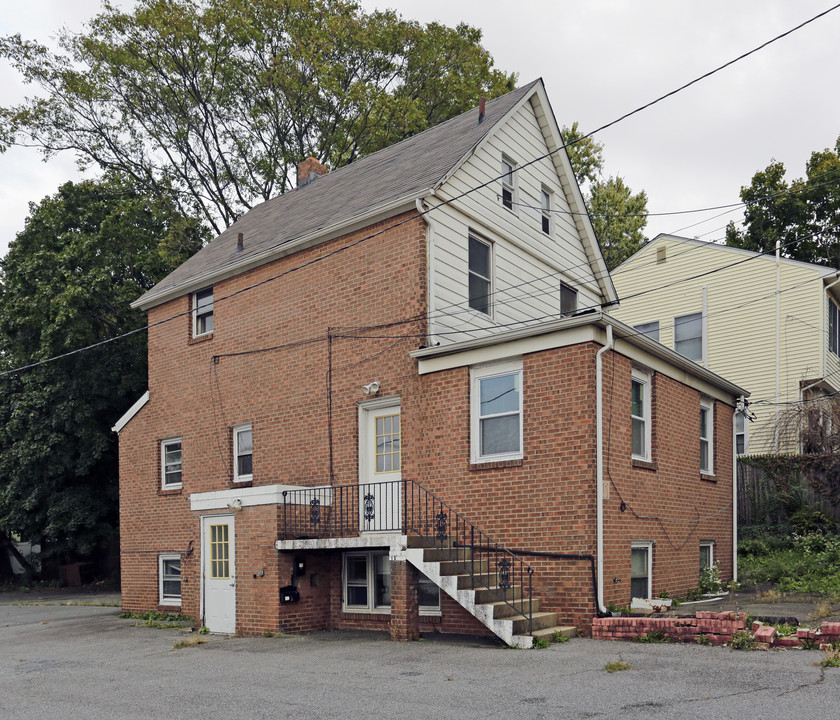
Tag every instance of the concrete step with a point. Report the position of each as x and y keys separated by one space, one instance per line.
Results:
x=429 y=541
x=540 y=620
x=552 y=633
x=502 y=609
x=446 y=554
x=484 y=596
x=451 y=567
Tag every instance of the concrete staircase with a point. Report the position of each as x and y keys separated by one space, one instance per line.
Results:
x=473 y=585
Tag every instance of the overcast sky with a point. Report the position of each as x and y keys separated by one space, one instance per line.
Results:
x=599 y=59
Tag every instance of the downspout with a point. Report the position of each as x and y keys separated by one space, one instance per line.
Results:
x=430 y=269
x=741 y=403
x=599 y=465
x=778 y=340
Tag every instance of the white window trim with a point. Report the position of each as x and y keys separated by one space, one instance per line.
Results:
x=163 y=443
x=483 y=372
x=162 y=600
x=709 y=405
x=207 y=311
x=237 y=429
x=644 y=378
x=746 y=434
x=647 y=545
x=512 y=186
x=702 y=359
x=545 y=213
x=711 y=545
x=424 y=610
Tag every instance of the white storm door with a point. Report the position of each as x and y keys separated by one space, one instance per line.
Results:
x=218 y=573
x=380 y=496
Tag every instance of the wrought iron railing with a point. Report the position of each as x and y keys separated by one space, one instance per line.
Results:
x=406 y=507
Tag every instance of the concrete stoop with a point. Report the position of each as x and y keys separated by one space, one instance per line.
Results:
x=505 y=619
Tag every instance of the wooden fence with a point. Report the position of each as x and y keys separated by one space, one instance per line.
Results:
x=761 y=501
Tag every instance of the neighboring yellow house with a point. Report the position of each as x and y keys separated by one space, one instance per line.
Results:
x=772 y=327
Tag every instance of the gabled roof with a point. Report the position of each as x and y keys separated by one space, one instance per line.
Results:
x=361 y=193
x=714 y=247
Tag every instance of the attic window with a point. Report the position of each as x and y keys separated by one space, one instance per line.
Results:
x=508 y=182
x=568 y=299
x=545 y=208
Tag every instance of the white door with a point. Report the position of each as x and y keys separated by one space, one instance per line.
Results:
x=380 y=505
x=219 y=573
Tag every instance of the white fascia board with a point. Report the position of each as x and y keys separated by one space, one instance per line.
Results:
x=284 y=249
x=248 y=496
x=394 y=541
x=131 y=412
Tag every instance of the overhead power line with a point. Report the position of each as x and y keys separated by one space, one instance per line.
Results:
x=459 y=196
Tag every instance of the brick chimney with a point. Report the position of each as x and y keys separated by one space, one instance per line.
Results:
x=309 y=170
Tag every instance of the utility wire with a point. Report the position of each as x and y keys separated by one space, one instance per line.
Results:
x=411 y=218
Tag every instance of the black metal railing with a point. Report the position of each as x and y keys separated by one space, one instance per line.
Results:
x=406 y=507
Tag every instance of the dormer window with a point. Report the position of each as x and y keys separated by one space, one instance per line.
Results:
x=202 y=312
x=508 y=182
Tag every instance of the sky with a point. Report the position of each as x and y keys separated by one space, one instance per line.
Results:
x=599 y=59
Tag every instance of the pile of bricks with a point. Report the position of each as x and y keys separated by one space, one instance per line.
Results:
x=828 y=633
x=718 y=628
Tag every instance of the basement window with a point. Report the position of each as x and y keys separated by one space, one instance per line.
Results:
x=640 y=570
x=367 y=585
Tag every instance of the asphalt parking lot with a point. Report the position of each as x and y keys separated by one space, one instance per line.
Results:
x=82 y=661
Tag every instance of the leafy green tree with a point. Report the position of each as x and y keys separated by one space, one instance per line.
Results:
x=220 y=99
x=803 y=215
x=67 y=282
x=619 y=215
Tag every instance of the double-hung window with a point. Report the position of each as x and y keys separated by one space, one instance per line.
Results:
x=170 y=463
x=243 y=458
x=568 y=299
x=707 y=446
x=688 y=336
x=833 y=327
x=497 y=412
x=480 y=274
x=545 y=210
x=740 y=434
x=650 y=329
x=640 y=405
x=202 y=312
x=169 y=579
x=707 y=554
x=508 y=182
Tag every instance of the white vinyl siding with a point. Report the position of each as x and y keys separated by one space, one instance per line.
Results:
x=528 y=264
x=740 y=341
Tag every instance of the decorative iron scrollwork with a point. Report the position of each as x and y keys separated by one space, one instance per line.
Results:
x=504 y=573
x=315 y=511
x=370 y=514
x=440 y=525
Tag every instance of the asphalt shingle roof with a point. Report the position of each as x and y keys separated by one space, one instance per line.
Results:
x=407 y=168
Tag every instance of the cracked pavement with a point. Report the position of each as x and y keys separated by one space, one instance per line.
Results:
x=83 y=661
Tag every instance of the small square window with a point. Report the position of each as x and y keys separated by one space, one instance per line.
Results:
x=568 y=299
x=169 y=583
x=480 y=275
x=650 y=329
x=508 y=183
x=243 y=453
x=545 y=211
x=203 y=312
x=688 y=336
x=497 y=412
x=707 y=422
x=640 y=570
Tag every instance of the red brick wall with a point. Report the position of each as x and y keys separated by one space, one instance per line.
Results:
x=546 y=502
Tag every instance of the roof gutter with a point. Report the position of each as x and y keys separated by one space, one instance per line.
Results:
x=148 y=301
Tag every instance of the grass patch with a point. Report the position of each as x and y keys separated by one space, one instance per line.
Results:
x=785 y=629
x=806 y=563
x=742 y=640
x=654 y=636
x=189 y=642
x=159 y=620
x=831 y=658
x=617 y=666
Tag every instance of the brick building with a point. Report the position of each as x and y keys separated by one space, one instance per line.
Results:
x=391 y=399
